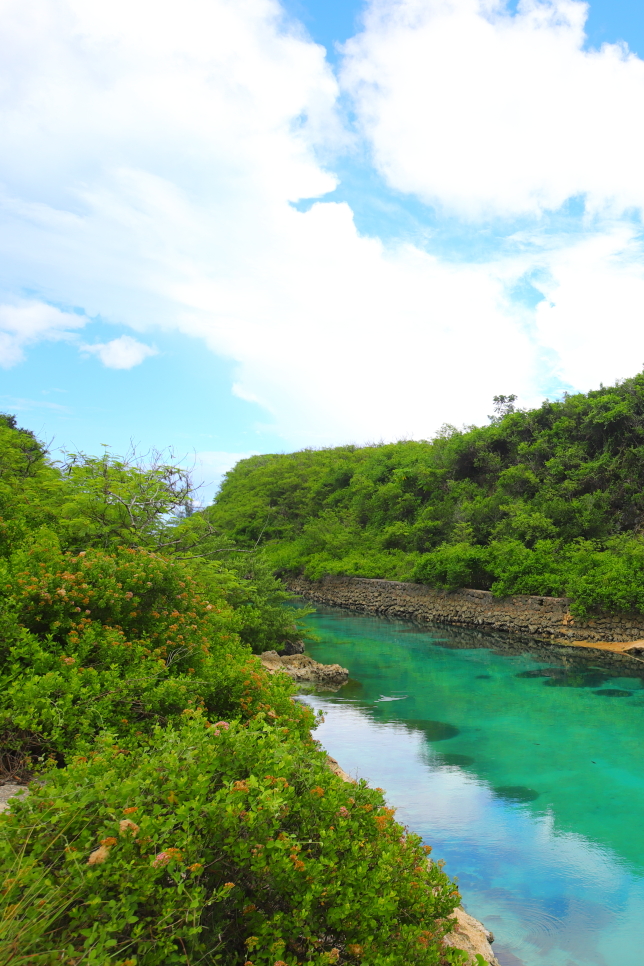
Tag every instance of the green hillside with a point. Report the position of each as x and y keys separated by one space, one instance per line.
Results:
x=546 y=501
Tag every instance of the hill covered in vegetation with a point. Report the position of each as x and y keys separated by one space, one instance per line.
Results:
x=181 y=811
x=548 y=501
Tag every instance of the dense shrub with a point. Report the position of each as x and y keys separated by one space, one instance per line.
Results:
x=218 y=844
x=116 y=641
x=454 y=565
x=29 y=486
x=156 y=833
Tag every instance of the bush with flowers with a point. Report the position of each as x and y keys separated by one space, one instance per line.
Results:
x=156 y=833
x=119 y=641
x=224 y=843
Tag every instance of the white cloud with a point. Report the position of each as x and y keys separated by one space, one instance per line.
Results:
x=26 y=322
x=592 y=315
x=486 y=113
x=151 y=153
x=122 y=353
x=210 y=466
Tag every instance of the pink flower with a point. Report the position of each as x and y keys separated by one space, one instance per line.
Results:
x=343 y=811
x=164 y=857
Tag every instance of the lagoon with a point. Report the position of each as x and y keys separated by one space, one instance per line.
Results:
x=524 y=771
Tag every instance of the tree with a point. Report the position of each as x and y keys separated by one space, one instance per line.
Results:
x=503 y=406
x=130 y=501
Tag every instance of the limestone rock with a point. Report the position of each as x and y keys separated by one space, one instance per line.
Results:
x=8 y=791
x=337 y=770
x=304 y=669
x=471 y=935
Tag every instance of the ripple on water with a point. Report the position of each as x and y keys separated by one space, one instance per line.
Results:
x=516 y=793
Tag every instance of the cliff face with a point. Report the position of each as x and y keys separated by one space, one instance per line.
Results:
x=546 y=617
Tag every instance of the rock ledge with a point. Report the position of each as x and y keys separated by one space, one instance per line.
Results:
x=471 y=936
x=303 y=668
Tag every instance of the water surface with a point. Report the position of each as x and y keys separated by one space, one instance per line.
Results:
x=521 y=766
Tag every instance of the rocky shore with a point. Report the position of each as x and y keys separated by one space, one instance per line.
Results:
x=548 y=618
x=305 y=670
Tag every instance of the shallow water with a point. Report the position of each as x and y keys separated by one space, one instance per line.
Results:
x=523 y=771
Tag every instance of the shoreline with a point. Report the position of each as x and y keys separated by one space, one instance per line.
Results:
x=468 y=934
x=545 y=620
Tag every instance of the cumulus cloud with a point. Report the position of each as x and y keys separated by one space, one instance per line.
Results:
x=25 y=322
x=151 y=155
x=122 y=353
x=592 y=314
x=485 y=112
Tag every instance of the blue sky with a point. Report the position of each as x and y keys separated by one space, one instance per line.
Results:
x=244 y=227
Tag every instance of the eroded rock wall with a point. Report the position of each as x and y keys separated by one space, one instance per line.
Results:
x=547 y=617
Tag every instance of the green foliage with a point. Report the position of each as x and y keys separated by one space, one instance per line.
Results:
x=220 y=844
x=117 y=641
x=152 y=835
x=548 y=501
x=114 y=503
x=28 y=486
x=264 y=619
x=453 y=565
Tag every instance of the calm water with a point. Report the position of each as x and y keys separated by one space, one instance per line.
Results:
x=523 y=770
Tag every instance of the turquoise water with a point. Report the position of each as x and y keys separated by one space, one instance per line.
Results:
x=522 y=769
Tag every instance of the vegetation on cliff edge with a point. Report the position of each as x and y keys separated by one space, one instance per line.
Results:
x=548 y=501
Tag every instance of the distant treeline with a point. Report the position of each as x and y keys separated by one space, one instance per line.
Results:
x=547 y=501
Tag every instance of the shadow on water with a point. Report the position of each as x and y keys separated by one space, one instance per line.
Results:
x=581 y=676
x=613 y=693
x=432 y=730
x=518 y=794
x=455 y=760
x=352 y=689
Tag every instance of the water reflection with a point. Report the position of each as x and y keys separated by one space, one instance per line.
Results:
x=529 y=792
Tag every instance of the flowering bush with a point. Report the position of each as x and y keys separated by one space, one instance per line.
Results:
x=118 y=641
x=158 y=834
x=223 y=843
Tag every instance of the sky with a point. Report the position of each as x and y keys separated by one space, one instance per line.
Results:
x=244 y=226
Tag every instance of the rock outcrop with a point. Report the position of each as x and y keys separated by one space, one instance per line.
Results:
x=293 y=647
x=305 y=670
x=8 y=791
x=471 y=935
x=337 y=770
